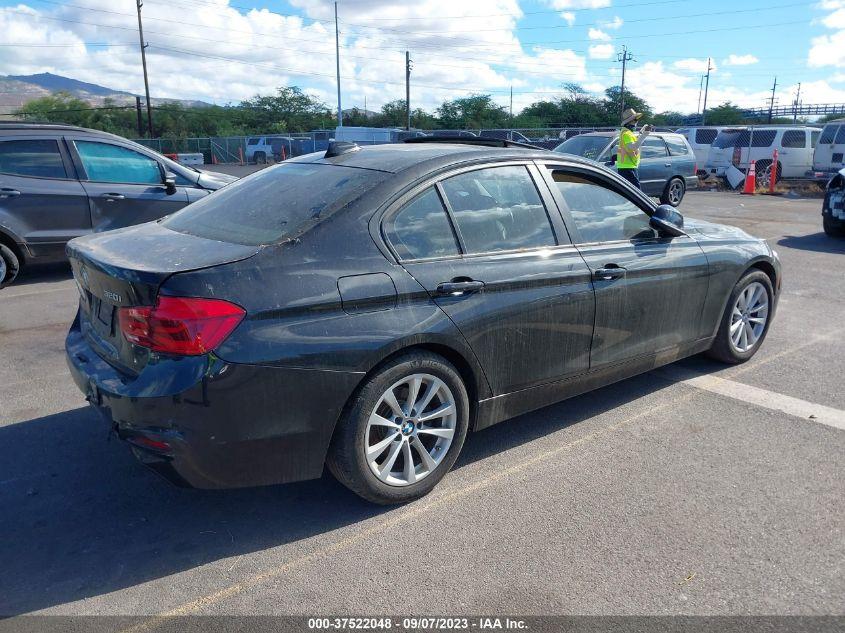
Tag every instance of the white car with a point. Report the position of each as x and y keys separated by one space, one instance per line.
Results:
x=828 y=156
x=739 y=145
x=700 y=139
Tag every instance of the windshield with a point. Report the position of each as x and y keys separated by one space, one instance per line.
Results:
x=274 y=203
x=584 y=145
x=728 y=138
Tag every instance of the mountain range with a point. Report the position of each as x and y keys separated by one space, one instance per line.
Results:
x=17 y=90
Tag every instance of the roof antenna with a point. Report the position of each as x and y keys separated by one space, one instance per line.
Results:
x=338 y=148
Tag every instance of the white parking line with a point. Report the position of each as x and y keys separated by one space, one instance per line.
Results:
x=772 y=400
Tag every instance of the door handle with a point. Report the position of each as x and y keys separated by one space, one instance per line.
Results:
x=111 y=197
x=667 y=164
x=8 y=192
x=608 y=273
x=458 y=288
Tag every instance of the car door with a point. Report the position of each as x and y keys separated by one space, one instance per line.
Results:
x=41 y=201
x=124 y=186
x=654 y=165
x=650 y=290
x=795 y=153
x=484 y=246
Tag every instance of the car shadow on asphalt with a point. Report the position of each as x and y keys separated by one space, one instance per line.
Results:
x=43 y=273
x=82 y=518
x=817 y=242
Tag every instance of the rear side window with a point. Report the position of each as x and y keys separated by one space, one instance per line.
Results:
x=840 y=135
x=274 y=203
x=705 y=136
x=498 y=209
x=677 y=146
x=653 y=147
x=814 y=138
x=828 y=134
x=39 y=158
x=112 y=163
x=253 y=141
x=763 y=138
x=422 y=229
x=794 y=138
x=731 y=138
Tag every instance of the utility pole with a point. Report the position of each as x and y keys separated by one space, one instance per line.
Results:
x=407 y=90
x=144 y=45
x=706 y=90
x=700 y=88
x=337 y=54
x=140 y=120
x=796 y=104
x=623 y=57
x=511 y=106
x=772 y=100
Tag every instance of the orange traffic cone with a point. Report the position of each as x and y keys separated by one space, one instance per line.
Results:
x=750 y=180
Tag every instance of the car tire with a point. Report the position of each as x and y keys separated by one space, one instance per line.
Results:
x=832 y=227
x=360 y=448
x=739 y=315
x=9 y=266
x=763 y=173
x=260 y=158
x=674 y=192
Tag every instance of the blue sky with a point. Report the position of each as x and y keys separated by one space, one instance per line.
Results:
x=226 y=50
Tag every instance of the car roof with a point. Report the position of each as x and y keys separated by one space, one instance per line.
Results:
x=23 y=127
x=398 y=157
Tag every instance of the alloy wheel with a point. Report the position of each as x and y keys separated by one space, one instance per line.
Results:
x=4 y=269
x=410 y=430
x=676 y=193
x=748 y=317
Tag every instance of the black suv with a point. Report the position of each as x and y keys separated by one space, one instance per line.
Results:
x=58 y=182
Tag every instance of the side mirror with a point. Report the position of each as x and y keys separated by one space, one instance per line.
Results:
x=610 y=160
x=169 y=184
x=666 y=220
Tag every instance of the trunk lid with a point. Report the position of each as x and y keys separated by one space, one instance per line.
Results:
x=126 y=268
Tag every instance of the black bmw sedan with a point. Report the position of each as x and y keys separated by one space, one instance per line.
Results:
x=364 y=308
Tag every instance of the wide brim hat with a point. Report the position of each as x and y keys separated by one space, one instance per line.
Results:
x=630 y=115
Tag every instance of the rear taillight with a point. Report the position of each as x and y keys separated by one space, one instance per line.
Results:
x=186 y=326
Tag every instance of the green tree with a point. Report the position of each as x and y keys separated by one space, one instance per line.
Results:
x=289 y=110
x=476 y=111
x=725 y=114
x=613 y=104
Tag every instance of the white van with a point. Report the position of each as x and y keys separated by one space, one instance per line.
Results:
x=700 y=139
x=828 y=157
x=739 y=145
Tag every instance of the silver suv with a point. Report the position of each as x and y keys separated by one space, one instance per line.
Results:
x=58 y=182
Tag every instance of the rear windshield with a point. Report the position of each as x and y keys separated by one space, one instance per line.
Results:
x=583 y=145
x=274 y=203
x=729 y=138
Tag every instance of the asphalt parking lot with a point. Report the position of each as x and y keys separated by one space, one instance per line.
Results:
x=694 y=489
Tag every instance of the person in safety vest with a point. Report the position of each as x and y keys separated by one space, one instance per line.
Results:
x=628 y=153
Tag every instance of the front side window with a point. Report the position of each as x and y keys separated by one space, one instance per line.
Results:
x=113 y=163
x=705 y=136
x=828 y=134
x=498 y=209
x=794 y=138
x=600 y=213
x=653 y=147
x=39 y=158
x=421 y=229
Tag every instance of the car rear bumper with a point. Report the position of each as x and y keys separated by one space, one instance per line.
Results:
x=233 y=426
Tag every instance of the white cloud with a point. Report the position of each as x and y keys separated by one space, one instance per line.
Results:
x=693 y=65
x=614 y=24
x=596 y=34
x=569 y=17
x=601 y=51
x=740 y=60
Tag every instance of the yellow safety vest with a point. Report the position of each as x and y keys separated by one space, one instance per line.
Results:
x=626 y=156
